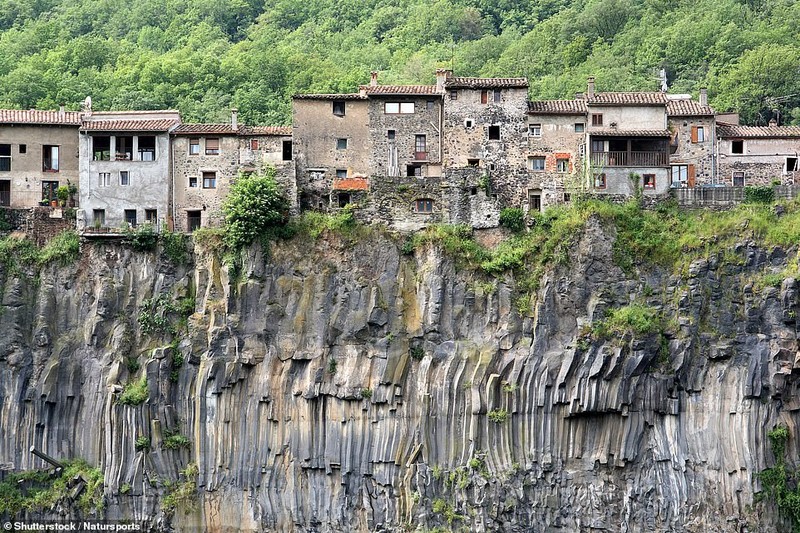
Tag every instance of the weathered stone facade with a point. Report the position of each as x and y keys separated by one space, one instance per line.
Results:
x=750 y=156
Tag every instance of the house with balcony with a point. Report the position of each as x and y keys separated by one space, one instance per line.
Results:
x=38 y=154
x=125 y=170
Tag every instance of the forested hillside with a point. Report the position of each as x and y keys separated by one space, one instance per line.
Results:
x=205 y=56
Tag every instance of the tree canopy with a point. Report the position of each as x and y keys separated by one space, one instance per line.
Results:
x=203 y=57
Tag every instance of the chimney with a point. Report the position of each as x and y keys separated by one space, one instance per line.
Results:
x=61 y=109
x=373 y=78
x=442 y=74
x=773 y=122
x=235 y=119
x=703 y=96
x=590 y=87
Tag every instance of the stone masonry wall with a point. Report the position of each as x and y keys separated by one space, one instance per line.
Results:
x=699 y=154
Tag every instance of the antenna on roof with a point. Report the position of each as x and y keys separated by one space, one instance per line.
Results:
x=662 y=77
x=87 y=104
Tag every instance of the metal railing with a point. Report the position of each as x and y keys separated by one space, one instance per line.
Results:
x=629 y=159
x=719 y=196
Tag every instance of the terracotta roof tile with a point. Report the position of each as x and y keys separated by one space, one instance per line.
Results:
x=34 y=116
x=485 y=83
x=557 y=107
x=155 y=125
x=687 y=108
x=391 y=90
x=283 y=131
x=764 y=132
x=630 y=98
x=350 y=96
x=351 y=184
x=226 y=129
x=629 y=133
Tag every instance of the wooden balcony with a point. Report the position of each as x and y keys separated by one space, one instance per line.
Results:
x=629 y=159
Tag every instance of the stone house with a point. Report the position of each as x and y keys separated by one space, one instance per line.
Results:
x=692 y=143
x=758 y=155
x=207 y=158
x=38 y=153
x=125 y=169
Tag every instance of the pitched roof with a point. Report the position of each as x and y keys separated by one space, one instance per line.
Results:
x=154 y=125
x=485 y=83
x=557 y=107
x=765 y=132
x=283 y=131
x=629 y=133
x=34 y=116
x=349 y=96
x=687 y=108
x=392 y=90
x=629 y=98
x=227 y=129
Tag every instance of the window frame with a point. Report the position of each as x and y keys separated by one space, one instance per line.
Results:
x=740 y=142
x=420 y=145
x=104 y=179
x=652 y=185
x=5 y=160
x=211 y=150
x=151 y=216
x=104 y=155
x=122 y=149
x=534 y=130
x=209 y=180
x=287 y=150
x=495 y=128
x=338 y=108
x=562 y=161
x=423 y=206
x=401 y=109
x=194 y=143
x=142 y=153
x=48 y=158
x=124 y=178
x=49 y=188
x=130 y=220
x=497 y=96
x=341 y=143
x=599 y=180
x=532 y=160
x=453 y=94
x=579 y=127
x=597 y=119
x=192 y=180
x=341 y=173
x=739 y=174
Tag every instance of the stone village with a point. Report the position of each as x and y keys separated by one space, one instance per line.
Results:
x=405 y=155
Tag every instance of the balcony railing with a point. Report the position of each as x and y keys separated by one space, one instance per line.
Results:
x=420 y=156
x=629 y=159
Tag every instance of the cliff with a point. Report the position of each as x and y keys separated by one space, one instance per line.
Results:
x=342 y=385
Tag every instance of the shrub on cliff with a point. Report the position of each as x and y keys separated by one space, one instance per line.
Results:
x=513 y=218
x=255 y=205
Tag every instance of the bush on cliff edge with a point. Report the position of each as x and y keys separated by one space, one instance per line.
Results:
x=254 y=207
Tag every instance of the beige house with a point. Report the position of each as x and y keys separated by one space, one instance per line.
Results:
x=207 y=158
x=38 y=153
x=758 y=155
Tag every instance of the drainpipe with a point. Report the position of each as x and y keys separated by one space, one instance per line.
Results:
x=172 y=180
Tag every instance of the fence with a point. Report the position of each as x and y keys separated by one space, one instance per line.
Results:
x=723 y=196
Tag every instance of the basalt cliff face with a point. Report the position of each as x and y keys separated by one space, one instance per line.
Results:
x=343 y=386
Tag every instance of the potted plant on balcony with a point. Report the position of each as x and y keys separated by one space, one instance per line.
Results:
x=62 y=193
x=44 y=201
x=73 y=190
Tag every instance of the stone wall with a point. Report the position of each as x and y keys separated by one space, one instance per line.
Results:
x=40 y=224
x=699 y=154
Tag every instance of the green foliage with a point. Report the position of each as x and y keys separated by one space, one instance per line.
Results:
x=125 y=488
x=254 y=206
x=135 y=392
x=142 y=443
x=332 y=364
x=142 y=238
x=62 y=193
x=162 y=315
x=513 y=218
x=416 y=353
x=439 y=506
x=175 y=441
x=174 y=245
x=759 y=195
x=365 y=393
x=780 y=482
x=46 y=492
x=314 y=224
x=498 y=416
x=5 y=224
x=634 y=320
x=63 y=249
x=183 y=492
x=18 y=255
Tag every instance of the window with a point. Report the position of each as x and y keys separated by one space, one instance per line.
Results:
x=130 y=217
x=484 y=97
x=192 y=220
x=535 y=130
x=791 y=164
x=147 y=148
x=535 y=200
x=212 y=146
x=536 y=163
x=737 y=147
x=344 y=199
x=193 y=182
x=151 y=216
x=49 y=190
x=424 y=205
x=341 y=173
x=124 y=177
x=209 y=180
x=562 y=165
x=286 y=150
x=468 y=123
x=5 y=157
x=680 y=175
x=698 y=134
x=414 y=170
x=254 y=144
x=599 y=181
x=341 y=144
x=649 y=181
x=99 y=217
x=104 y=179
x=567 y=197
x=473 y=162
x=23 y=148
x=398 y=108
x=5 y=193
x=124 y=149
x=597 y=119
x=453 y=95
x=194 y=146
x=429 y=105
x=580 y=127
x=101 y=148
x=494 y=133
x=390 y=135
x=420 y=147
x=738 y=179
x=338 y=108
x=497 y=95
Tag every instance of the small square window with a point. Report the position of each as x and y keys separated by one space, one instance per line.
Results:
x=468 y=123
x=194 y=146
x=494 y=133
x=414 y=170
x=391 y=135
x=151 y=216
x=649 y=181
x=341 y=173
x=254 y=144
x=124 y=177
x=424 y=205
x=597 y=119
x=429 y=105
x=23 y=148
x=580 y=127
x=473 y=162
x=791 y=164
x=209 y=180
x=535 y=130
x=562 y=165
x=738 y=179
x=338 y=108
x=453 y=95
x=105 y=179
x=599 y=181
x=193 y=182
x=567 y=197
x=130 y=217
x=536 y=163
x=497 y=95
x=737 y=147
x=341 y=144
x=344 y=199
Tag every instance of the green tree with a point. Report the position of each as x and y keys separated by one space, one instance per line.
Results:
x=254 y=205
